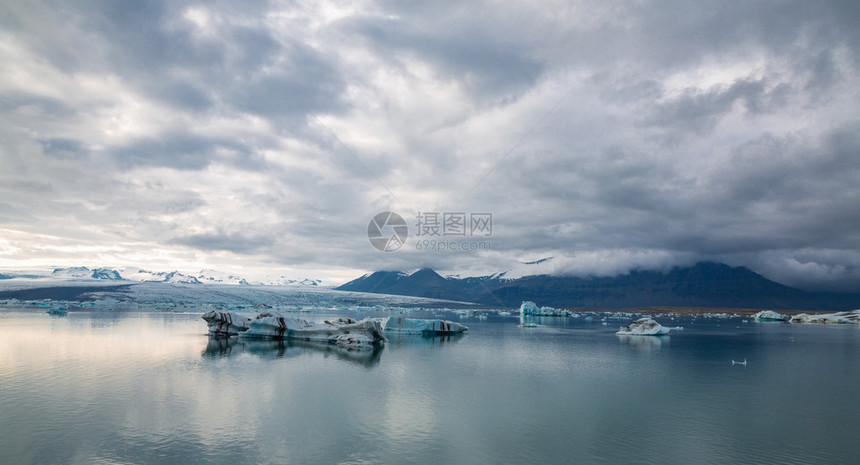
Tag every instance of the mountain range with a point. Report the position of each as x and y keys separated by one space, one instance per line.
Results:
x=173 y=277
x=705 y=284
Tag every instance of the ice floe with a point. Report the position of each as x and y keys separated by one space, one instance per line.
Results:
x=342 y=332
x=643 y=327
x=226 y=323
x=529 y=308
x=400 y=325
x=852 y=317
x=770 y=315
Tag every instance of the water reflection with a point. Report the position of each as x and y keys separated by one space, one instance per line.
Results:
x=416 y=340
x=644 y=343
x=218 y=347
x=153 y=389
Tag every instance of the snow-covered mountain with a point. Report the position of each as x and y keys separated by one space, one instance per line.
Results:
x=82 y=272
x=205 y=276
x=218 y=277
x=209 y=276
x=544 y=266
x=705 y=284
x=175 y=277
x=282 y=280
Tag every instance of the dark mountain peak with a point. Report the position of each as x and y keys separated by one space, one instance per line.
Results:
x=705 y=284
x=107 y=273
x=715 y=267
x=426 y=273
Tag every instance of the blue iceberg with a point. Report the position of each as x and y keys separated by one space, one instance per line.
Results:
x=399 y=325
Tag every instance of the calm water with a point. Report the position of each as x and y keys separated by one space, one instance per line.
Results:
x=153 y=388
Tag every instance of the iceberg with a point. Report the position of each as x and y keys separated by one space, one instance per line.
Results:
x=226 y=323
x=643 y=327
x=531 y=309
x=843 y=318
x=770 y=315
x=57 y=311
x=399 y=325
x=342 y=332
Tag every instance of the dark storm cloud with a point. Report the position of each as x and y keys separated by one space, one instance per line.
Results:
x=696 y=112
x=63 y=148
x=773 y=194
x=50 y=109
x=614 y=135
x=232 y=242
x=304 y=82
x=463 y=45
x=183 y=151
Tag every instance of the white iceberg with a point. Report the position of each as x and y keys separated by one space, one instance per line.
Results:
x=226 y=323
x=770 y=315
x=531 y=309
x=343 y=332
x=399 y=325
x=844 y=318
x=643 y=327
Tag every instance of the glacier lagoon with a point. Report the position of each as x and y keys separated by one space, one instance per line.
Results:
x=152 y=387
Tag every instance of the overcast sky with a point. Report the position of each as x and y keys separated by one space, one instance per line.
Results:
x=262 y=138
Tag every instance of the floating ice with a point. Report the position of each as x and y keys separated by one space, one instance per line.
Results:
x=770 y=315
x=342 y=332
x=399 y=325
x=643 y=327
x=852 y=317
x=57 y=311
x=226 y=323
x=531 y=309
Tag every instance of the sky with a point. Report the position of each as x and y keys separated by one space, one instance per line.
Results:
x=262 y=137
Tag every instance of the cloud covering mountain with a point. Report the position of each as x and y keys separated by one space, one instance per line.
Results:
x=265 y=135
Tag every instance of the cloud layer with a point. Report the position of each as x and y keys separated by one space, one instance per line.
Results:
x=263 y=137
